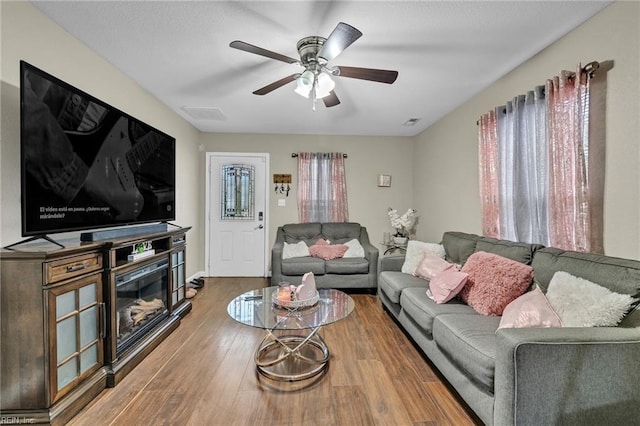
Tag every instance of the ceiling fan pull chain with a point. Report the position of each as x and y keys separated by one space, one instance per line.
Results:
x=313 y=95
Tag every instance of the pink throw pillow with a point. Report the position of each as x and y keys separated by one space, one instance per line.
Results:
x=430 y=266
x=532 y=309
x=447 y=284
x=494 y=282
x=328 y=252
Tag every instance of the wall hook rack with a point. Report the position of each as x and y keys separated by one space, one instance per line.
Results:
x=282 y=184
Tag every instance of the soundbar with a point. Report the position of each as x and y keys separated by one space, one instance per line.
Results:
x=130 y=231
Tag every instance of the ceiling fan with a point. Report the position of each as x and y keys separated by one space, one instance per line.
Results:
x=315 y=53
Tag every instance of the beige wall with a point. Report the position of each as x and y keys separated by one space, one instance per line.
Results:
x=435 y=172
x=367 y=157
x=28 y=35
x=446 y=171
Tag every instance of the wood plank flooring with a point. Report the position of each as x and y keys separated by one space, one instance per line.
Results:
x=204 y=374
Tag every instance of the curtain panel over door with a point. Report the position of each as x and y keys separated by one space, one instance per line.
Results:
x=534 y=163
x=322 y=187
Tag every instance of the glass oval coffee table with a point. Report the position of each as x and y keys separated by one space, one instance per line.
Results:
x=292 y=348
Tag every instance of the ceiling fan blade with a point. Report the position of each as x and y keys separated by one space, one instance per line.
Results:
x=276 y=84
x=342 y=36
x=241 y=45
x=381 y=76
x=331 y=99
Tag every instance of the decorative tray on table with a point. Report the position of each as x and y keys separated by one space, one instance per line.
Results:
x=295 y=303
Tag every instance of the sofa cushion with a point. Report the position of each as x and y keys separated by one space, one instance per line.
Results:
x=520 y=252
x=469 y=342
x=415 y=251
x=459 y=246
x=430 y=266
x=307 y=232
x=494 y=282
x=328 y=251
x=532 y=309
x=417 y=305
x=582 y=303
x=302 y=265
x=291 y=250
x=347 y=265
x=393 y=282
x=341 y=232
x=618 y=275
x=355 y=249
x=447 y=284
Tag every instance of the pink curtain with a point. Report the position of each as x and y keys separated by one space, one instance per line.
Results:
x=322 y=187
x=567 y=126
x=488 y=156
x=558 y=148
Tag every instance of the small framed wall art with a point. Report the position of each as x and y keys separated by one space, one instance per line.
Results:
x=384 y=180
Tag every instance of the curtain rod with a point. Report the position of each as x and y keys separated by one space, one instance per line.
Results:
x=590 y=69
x=295 y=154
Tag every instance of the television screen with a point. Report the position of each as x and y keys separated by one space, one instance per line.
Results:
x=87 y=165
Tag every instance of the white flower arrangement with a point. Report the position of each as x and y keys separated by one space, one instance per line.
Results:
x=402 y=224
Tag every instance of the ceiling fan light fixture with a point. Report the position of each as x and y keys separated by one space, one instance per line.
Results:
x=303 y=90
x=305 y=83
x=324 y=85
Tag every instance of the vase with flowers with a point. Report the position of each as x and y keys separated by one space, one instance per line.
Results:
x=403 y=224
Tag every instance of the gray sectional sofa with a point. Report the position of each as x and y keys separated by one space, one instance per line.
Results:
x=526 y=376
x=353 y=272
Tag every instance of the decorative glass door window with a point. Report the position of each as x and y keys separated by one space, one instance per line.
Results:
x=237 y=192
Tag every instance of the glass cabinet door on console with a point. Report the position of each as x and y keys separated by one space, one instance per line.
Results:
x=76 y=334
x=178 y=279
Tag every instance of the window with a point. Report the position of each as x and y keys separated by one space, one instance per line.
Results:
x=237 y=192
x=322 y=187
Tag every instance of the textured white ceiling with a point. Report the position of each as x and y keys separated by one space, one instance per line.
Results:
x=444 y=51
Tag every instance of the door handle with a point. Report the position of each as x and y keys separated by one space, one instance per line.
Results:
x=259 y=227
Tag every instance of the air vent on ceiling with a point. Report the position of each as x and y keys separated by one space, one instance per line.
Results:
x=205 y=113
x=411 y=122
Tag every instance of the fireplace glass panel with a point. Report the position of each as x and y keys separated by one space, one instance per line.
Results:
x=141 y=302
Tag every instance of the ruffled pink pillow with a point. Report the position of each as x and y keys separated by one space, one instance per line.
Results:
x=532 y=309
x=494 y=282
x=328 y=252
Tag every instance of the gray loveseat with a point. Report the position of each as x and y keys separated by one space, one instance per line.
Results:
x=352 y=272
x=526 y=376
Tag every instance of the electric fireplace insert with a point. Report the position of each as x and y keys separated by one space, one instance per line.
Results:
x=141 y=302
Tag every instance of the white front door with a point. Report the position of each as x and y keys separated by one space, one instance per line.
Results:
x=236 y=214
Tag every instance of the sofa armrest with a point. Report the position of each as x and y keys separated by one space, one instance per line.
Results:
x=392 y=263
x=567 y=376
x=371 y=253
x=276 y=258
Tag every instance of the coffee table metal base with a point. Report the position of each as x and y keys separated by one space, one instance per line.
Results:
x=292 y=358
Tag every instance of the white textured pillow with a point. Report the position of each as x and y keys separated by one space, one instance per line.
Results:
x=415 y=251
x=299 y=249
x=355 y=249
x=581 y=303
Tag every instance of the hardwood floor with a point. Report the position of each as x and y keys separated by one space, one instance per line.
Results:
x=204 y=374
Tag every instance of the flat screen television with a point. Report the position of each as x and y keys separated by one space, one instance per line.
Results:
x=87 y=165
